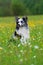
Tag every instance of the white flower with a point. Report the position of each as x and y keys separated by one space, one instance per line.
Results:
x=18 y=45
x=36 y=47
x=34 y=56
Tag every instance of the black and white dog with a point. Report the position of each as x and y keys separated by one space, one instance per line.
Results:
x=22 y=30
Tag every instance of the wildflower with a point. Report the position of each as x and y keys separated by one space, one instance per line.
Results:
x=34 y=56
x=36 y=47
x=18 y=45
x=32 y=24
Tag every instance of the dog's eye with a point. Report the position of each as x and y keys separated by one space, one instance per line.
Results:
x=21 y=21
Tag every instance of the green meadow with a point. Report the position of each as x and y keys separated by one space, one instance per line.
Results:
x=13 y=52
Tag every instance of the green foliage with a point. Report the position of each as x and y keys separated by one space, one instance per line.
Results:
x=35 y=6
x=21 y=7
x=5 y=7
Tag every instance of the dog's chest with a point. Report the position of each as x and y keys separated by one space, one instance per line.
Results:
x=23 y=32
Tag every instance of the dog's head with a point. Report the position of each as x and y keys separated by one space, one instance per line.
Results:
x=20 y=22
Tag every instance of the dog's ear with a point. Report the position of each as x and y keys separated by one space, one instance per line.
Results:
x=25 y=18
x=17 y=18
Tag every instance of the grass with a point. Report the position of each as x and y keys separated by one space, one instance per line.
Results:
x=15 y=53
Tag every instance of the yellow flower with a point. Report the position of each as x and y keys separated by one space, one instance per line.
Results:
x=31 y=24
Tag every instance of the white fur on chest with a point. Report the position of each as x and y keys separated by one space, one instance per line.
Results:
x=24 y=32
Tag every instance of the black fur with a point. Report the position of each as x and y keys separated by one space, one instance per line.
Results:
x=17 y=26
x=15 y=33
x=25 y=20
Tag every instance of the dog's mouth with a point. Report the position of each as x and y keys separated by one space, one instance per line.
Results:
x=22 y=25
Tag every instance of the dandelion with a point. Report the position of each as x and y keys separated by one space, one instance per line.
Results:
x=31 y=24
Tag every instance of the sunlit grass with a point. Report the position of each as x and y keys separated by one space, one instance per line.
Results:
x=12 y=52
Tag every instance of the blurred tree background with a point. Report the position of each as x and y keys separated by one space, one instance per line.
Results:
x=21 y=7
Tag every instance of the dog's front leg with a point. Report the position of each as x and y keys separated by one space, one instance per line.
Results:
x=23 y=40
x=16 y=35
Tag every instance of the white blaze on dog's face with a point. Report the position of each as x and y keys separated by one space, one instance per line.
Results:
x=21 y=21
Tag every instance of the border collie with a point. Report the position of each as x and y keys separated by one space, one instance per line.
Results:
x=22 y=30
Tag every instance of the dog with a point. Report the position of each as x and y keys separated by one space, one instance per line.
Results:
x=22 y=29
